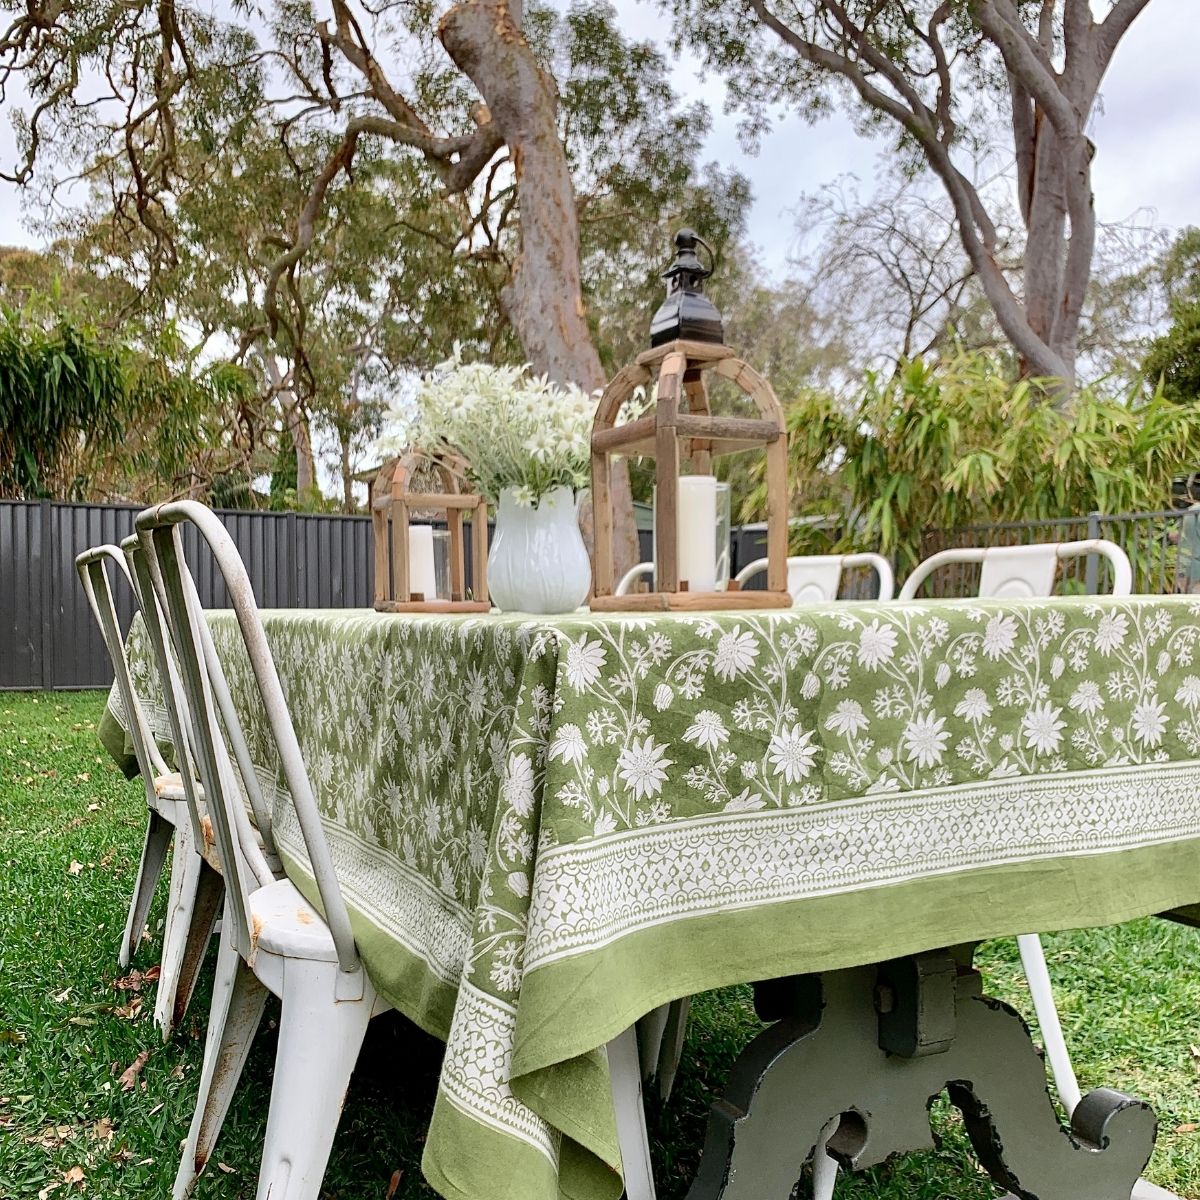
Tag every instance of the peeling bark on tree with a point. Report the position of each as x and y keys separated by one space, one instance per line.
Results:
x=544 y=296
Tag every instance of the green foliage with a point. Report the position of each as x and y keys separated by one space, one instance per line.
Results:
x=952 y=442
x=80 y=412
x=60 y=388
x=1174 y=358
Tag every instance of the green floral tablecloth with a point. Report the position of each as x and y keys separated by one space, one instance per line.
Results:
x=547 y=827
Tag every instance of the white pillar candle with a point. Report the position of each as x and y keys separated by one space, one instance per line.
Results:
x=697 y=511
x=421 y=577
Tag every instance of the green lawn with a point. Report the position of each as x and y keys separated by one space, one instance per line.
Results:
x=70 y=829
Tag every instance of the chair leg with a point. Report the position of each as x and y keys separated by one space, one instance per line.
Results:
x=159 y=832
x=825 y=1169
x=319 y=1041
x=634 y=1141
x=238 y=1000
x=1033 y=960
x=196 y=892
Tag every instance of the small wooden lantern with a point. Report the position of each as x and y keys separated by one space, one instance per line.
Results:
x=687 y=342
x=392 y=505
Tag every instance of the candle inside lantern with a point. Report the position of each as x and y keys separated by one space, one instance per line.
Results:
x=422 y=579
x=697 y=516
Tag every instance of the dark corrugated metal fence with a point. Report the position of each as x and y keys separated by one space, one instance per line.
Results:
x=48 y=638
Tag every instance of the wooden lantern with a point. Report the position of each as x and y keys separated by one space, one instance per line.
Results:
x=392 y=505
x=681 y=426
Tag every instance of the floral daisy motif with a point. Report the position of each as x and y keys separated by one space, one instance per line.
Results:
x=1087 y=698
x=569 y=745
x=585 y=661
x=1000 y=636
x=1188 y=693
x=925 y=739
x=736 y=652
x=848 y=719
x=517 y=788
x=1149 y=721
x=876 y=645
x=792 y=753
x=643 y=767
x=1042 y=728
x=1111 y=631
x=974 y=706
x=707 y=731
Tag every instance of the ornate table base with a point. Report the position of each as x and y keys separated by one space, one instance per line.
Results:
x=876 y=1045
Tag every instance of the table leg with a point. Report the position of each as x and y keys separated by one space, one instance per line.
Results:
x=870 y=1047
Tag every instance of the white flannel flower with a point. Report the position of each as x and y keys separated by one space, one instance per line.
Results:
x=925 y=739
x=876 y=645
x=1188 y=692
x=1042 y=728
x=517 y=788
x=736 y=652
x=999 y=636
x=974 y=706
x=792 y=753
x=1087 y=697
x=585 y=660
x=569 y=745
x=847 y=719
x=1149 y=721
x=643 y=767
x=1111 y=632
x=707 y=731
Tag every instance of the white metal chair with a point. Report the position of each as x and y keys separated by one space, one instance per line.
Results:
x=272 y=939
x=1016 y=572
x=812 y=578
x=815 y=578
x=167 y=809
x=627 y=582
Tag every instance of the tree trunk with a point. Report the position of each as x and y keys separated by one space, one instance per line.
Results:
x=296 y=423
x=544 y=297
x=348 y=502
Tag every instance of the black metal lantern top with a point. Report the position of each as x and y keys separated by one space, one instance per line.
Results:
x=687 y=312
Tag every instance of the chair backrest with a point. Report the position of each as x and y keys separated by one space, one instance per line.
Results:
x=209 y=703
x=93 y=566
x=816 y=578
x=643 y=570
x=1023 y=572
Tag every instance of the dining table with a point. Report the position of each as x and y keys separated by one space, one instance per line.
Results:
x=547 y=827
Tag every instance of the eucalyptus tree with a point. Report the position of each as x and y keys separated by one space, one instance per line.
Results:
x=932 y=72
x=481 y=141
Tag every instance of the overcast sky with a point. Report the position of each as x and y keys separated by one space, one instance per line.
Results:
x=1147 y=134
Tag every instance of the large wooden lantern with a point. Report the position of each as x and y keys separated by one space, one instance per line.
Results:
x=687 y=346
x=402 y=584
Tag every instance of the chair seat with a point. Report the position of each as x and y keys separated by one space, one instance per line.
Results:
x=286 y=924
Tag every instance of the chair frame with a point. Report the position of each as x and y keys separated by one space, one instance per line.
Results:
x=168 y=811
x=999 y=556
x=272 y=940
x=826 y=562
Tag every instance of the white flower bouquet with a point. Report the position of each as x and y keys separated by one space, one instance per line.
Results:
x=516 y=430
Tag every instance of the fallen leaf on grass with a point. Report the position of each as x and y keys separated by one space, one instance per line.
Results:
x=1190 y=1127
x=226 y=1168
x=74 y=868
x=102 y=1130
x=93 y=808
x=129 y=1075
x=394 y=1184
x=74 y=1175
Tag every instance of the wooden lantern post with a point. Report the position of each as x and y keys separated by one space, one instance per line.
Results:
x=392 y=505
x=687 y=344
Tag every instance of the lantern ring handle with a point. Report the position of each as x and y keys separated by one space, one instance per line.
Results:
x=712 y=255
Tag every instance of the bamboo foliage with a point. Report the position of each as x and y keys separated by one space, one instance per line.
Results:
x=956 y=442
